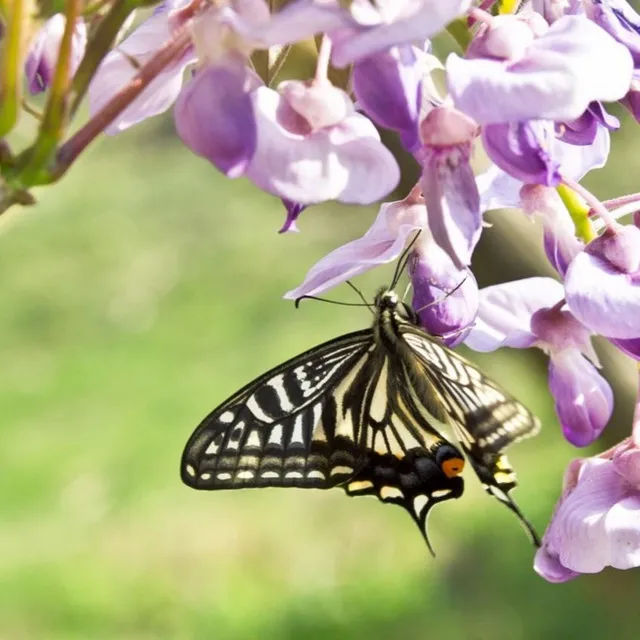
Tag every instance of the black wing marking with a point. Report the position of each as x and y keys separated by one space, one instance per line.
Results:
x=485 y=418
x=296 y=425
x=406 y=462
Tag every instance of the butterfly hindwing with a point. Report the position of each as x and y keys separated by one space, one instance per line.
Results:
x=287 y=428
x=485 y=418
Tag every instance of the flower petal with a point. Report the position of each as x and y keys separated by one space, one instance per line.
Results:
x=583 y=398
x=602 y=297
x=382 y=243
x=387 y=87
x=548 y=566
x=346 y=162
x=573 y=64
x=214 y=116
x=445 y=298
x=504 y=318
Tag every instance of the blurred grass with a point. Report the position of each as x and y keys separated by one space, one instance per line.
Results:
x=137 y=295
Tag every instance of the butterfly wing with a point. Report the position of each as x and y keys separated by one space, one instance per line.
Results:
x=406 y=461
x=485 y=418
x=296 y=425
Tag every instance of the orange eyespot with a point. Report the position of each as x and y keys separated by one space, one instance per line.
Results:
x=452 y=467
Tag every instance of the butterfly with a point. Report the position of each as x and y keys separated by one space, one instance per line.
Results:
x=365 y=412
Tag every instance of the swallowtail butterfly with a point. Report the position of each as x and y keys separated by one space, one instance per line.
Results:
x=364 y=412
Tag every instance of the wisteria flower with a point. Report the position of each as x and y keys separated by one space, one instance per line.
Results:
x=596 y=523
x=531 y=312
x=42 y=56
x=445 y=297
x=602 y=283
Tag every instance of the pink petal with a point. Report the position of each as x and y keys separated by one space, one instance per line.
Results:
x=504 y=319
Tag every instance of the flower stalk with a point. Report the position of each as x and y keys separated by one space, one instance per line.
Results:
x=579 y=213
x=11 y=64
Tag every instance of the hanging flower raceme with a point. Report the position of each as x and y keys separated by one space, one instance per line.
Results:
x=531 y=312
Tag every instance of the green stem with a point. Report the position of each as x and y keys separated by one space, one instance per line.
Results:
x=53 y=124
x=579 y=213
x=11 y=65
x=100 y=44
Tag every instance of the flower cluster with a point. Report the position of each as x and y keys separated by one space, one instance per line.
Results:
x=530 y=89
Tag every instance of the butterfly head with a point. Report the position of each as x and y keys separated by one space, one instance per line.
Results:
x=388 y=300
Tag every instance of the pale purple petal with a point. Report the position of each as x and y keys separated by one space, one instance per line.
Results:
x=618 y=18
x=388 y=89
x=214 y=117
x=504 y=318
x=444 y=297
x=583 y=398
x=402 y=22
x=603 y=297
x=116 y=71
x=598 y=523
x=498 y=190
x=574 y=63
x=382 y=243
x=576 y=161
x=525 y=150
x=626 y=461
x=548 y=565
x=346 y=162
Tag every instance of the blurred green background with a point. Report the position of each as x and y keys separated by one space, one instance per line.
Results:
x=136 y=296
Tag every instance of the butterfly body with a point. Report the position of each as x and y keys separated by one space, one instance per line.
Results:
x=365 y=412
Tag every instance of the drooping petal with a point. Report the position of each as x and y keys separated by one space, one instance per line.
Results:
x=504 y=317
x=388 y=88
x=498 y=190
x=525 y=150
x=214 y=116
x=601 y=294
x=444 y=297
x=346 y=162
x=573 y=64
x=382 y=243
x=548 y=565
x=576 y=161
x=583 y=398
x=448 y=183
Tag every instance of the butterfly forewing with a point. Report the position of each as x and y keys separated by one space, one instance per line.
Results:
x=293 y=426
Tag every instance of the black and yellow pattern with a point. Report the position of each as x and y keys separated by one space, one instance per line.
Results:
x=363 y=412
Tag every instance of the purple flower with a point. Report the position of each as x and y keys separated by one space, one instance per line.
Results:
x=362 y=28
x=596 y=523
x=557 y=78
x=445 y=297
x=312 y=146
x=618 y=18
x=530 y=312
x=602 y=283
x=42 y=56
x=448 y=184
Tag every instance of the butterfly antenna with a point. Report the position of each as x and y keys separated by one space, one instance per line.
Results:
x=406 y=291
x=297 y=301
x=444 y=297
x=404 y=258
x=353 y=286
